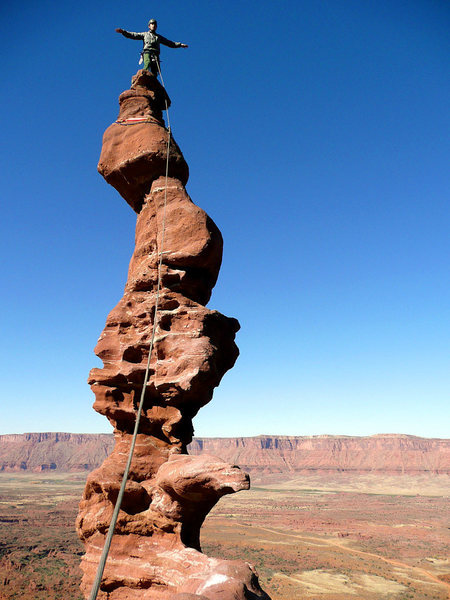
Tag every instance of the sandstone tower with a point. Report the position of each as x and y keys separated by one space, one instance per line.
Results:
x=155 y=552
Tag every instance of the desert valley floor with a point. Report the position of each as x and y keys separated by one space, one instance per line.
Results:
x=328 y=537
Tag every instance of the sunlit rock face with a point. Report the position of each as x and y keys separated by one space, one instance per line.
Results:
x=155 y=552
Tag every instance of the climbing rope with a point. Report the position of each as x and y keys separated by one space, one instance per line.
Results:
x=112 y=525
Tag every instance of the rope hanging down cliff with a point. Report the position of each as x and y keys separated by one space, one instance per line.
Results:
x=109 y=536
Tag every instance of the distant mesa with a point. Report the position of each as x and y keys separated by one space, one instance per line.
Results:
x=261 y=455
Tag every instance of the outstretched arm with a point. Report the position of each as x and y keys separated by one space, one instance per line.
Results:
x=130 y=34
x=171 y=44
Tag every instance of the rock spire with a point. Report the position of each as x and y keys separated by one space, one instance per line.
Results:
x=155 y=552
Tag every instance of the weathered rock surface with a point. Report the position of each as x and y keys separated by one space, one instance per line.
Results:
x=155 y=551
x=134 y=154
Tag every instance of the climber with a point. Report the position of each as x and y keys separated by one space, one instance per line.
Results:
x=151 y=40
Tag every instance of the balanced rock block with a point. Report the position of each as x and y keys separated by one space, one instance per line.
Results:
x=134 y=149
x=155 y=552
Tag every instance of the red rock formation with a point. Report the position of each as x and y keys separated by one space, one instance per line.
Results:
x=155 y=552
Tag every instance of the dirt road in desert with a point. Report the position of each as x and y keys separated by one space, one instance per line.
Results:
x=344 y=548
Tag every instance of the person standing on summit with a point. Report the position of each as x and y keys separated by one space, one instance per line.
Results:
x=152 y=41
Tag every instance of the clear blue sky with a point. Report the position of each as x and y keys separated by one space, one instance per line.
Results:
x=317 y=134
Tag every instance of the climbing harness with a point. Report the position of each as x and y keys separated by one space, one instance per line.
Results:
x=153 y=59
x=112 y=525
